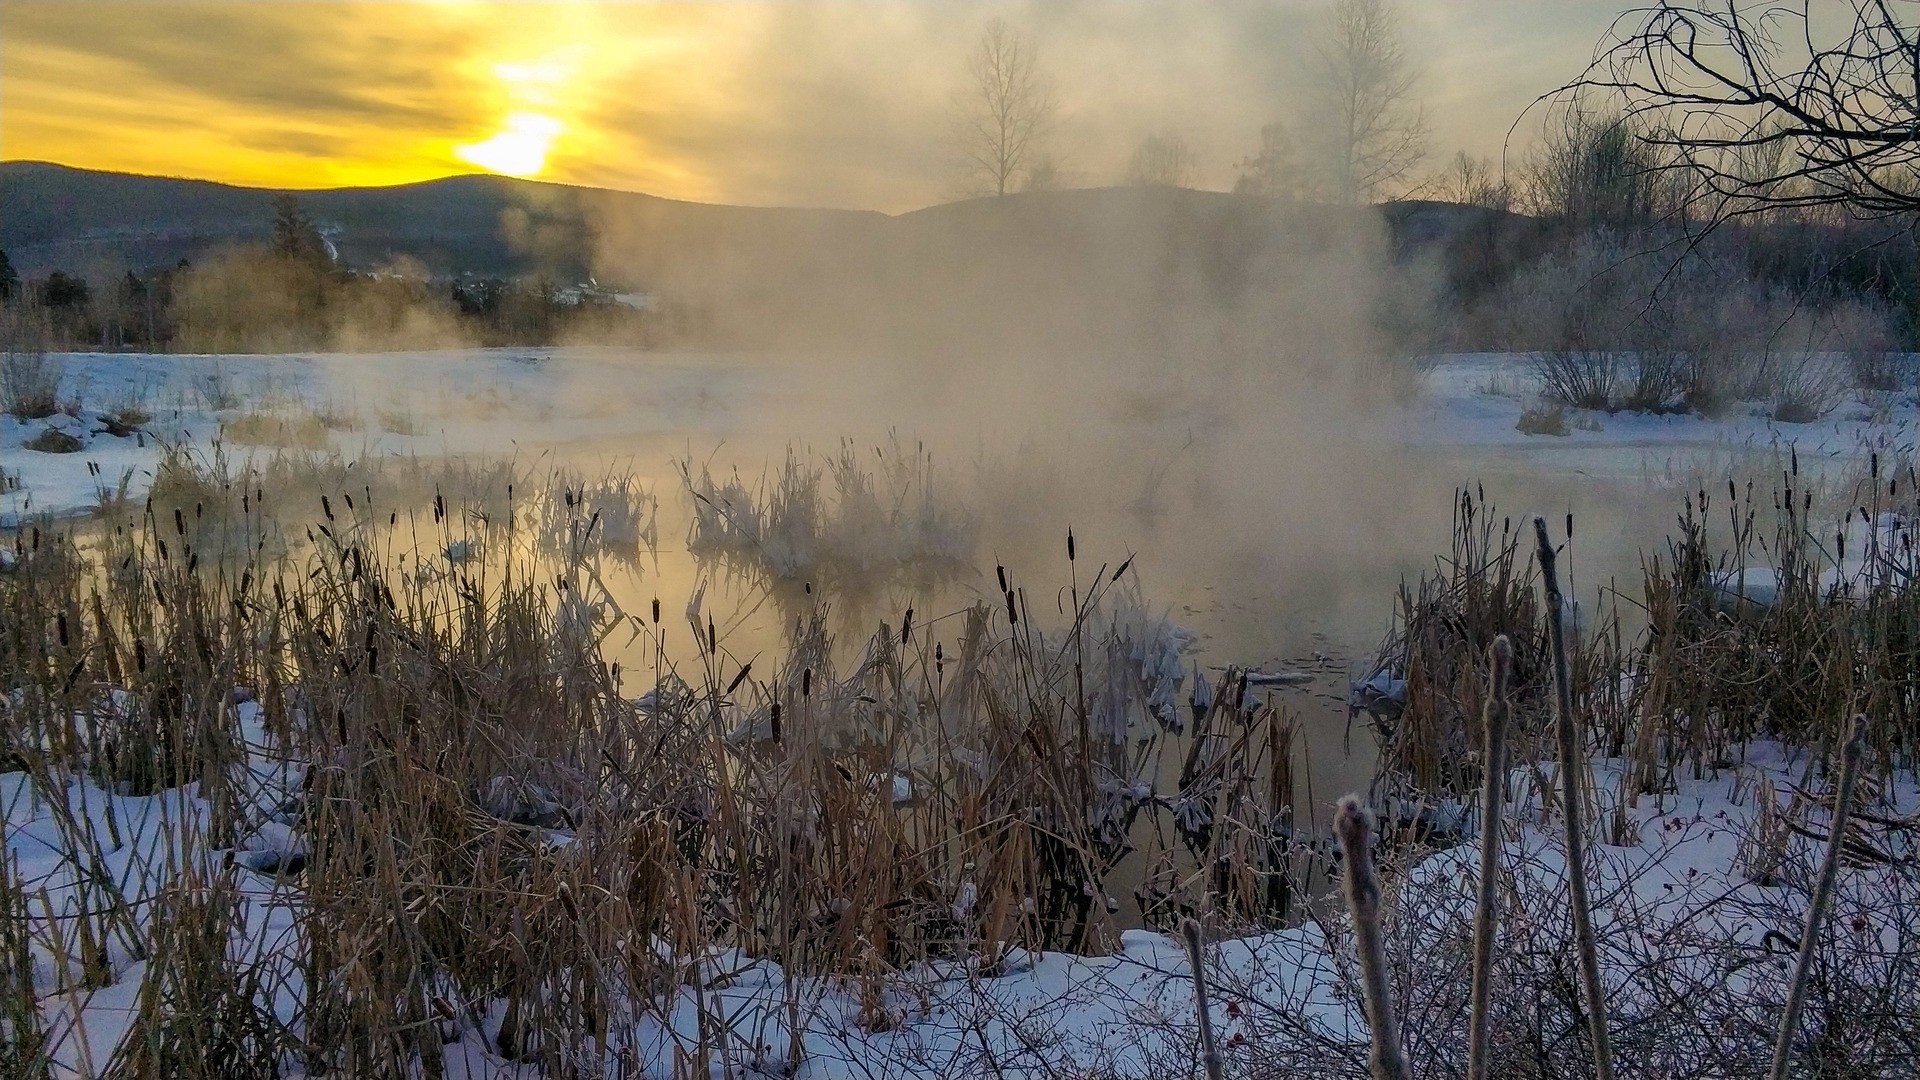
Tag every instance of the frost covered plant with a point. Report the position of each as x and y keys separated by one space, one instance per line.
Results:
x=846 y=521
x=614 y=515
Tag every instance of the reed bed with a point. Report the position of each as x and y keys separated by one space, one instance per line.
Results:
x=341 y=775
x=1770 y=615
x=409 y=799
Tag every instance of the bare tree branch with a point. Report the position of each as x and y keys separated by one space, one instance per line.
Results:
x=1770 y=106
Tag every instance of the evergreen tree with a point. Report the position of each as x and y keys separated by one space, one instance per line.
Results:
x=294 y=236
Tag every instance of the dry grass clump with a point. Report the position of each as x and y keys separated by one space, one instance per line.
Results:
x=286 y=430
x=1544 y=418
x=1428 y=693
x=1765 y=618
x=54 y=441
x=30 y=383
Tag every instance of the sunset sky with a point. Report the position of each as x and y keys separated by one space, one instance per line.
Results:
x=825 y=103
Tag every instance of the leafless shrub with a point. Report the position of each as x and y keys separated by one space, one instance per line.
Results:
x=1806 y=387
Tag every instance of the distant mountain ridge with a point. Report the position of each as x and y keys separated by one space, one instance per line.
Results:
x=1133 y=269
x=88 y=221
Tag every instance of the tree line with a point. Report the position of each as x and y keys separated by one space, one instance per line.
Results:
x=292 y=292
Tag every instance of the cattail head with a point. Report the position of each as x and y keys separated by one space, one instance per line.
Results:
x=1501 y=652
x=1353 y=825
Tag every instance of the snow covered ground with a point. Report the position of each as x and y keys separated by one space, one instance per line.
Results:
x=494 y=401
x=1689 y=896
x=1471 y=405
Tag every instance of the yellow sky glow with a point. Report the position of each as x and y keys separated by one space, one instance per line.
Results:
x=520 y=149
x=808 y=102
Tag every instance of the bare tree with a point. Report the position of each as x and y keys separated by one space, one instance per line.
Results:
x=1593 y=168
x=1472 y=181
x=1371 y=129
x=1002 y=116
x=1765 y=106
x=1161 y=161
x=1275 y=170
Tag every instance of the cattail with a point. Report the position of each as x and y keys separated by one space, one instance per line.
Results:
x=1855 y=749
x=1487 y=910
x=1069 y=545
x=656 y=611
x=1572 y=764
x=1210 y=1058
x=179 y=522
x=326 y=507
x=1353 y=824
x=806 y=682
x=1002 y=572
x=906 y=628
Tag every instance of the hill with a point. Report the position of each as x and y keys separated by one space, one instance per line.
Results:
x=57 y=217
x=1157 y=270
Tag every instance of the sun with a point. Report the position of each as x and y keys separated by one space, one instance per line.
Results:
x=519 y=149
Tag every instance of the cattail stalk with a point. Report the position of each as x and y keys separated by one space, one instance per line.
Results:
x=1487 y=911
x=1856 y=749
x=1353 y=824
x=1210 y=1058
x=1572 y=765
